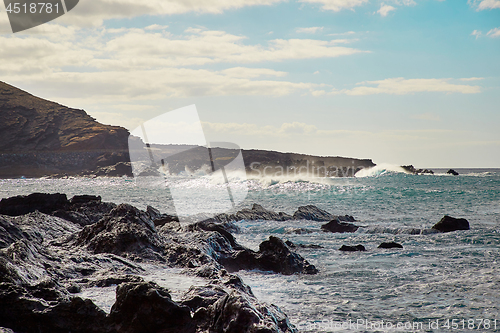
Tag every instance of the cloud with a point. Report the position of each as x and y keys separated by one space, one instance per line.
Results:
x=93 y=13
x=337 y=5
x=342 y=33
x=311 y=30
x=476 y=33
x=152 y=63
x=385 y=9
x=493 y=33
x=401 y=86
x=472 y=79
x=484 y=4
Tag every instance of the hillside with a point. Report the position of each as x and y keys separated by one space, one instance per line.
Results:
x=39 y=137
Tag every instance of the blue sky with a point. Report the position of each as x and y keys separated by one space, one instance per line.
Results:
x=399 y=81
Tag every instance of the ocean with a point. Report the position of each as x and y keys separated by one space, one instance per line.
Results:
x=437 y=283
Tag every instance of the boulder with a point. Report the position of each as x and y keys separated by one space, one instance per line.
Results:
x=337 y=226
x=274 y=255
x=348 y=248
x=312 y=213
x=452 y=172
x=448 y=223
x=147 y=307
x=390 y=245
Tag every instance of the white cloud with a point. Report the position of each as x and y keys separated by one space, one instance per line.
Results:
x=93 y=13
x=311 y=30
x=472 y=79
x=484 y=4
x=401 y=86
x=476 y=33
x=494 y=33
x=342 y=33
x=243 y=72
x=337 y=5
x=385 y=9
x=156 y=27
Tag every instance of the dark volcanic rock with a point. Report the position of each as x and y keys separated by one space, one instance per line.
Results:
x=348 y=248
x=313 y=213
x=337 y=226
x=124 y=230
x=452 y=172
x=24 y=204
x=413 y=170
x=146 y=307
x=274 y=255
x=390 y=245
x=45 y=260
x=448 y=223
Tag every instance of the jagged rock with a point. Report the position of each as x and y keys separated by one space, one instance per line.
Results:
x=313 y=213
x=27 y=313
x=413 y=170
x=83 y=199
x=24 y=204
x=274 y=256
x=124 y=230
x=349 y=248
x=147 y=307
x=45 y=260
x=390 y=245
x=448 y=223
x=452 y=172
x=337 y=226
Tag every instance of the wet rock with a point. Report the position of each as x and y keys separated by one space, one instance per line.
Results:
x=298 y=231
x=337 y=226
x=312 y=213
x=83 y=199
x=292 y=245
x=452 y=172
x=125 y=229
x=147 y=307
x=413 y=170
x=26 y=313
x=274 y=255
x=24 y=204
x=348 y=248
x=390 y=245
x=448 y=223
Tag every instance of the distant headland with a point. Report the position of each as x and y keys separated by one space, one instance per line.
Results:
x=43 y=138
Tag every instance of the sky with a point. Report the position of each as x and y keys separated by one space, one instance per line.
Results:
x=397 y=81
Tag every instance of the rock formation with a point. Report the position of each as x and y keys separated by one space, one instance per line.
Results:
x=452 y=172
x=336 y=225
x=390 y=245
x=349 y=248
x=448 y=223
x=47 y=258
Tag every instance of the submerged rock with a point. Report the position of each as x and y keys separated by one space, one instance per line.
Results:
x=448 y=223
x=349 y=248
x=337 y=226
x=390 y=245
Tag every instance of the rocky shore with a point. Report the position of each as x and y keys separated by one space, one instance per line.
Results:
x=52 y=248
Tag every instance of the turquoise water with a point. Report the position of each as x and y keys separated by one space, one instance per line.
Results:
x=436 y=277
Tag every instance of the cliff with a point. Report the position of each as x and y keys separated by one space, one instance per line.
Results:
x=39 y=137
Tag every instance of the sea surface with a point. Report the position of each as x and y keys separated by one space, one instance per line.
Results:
x=446 y=282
